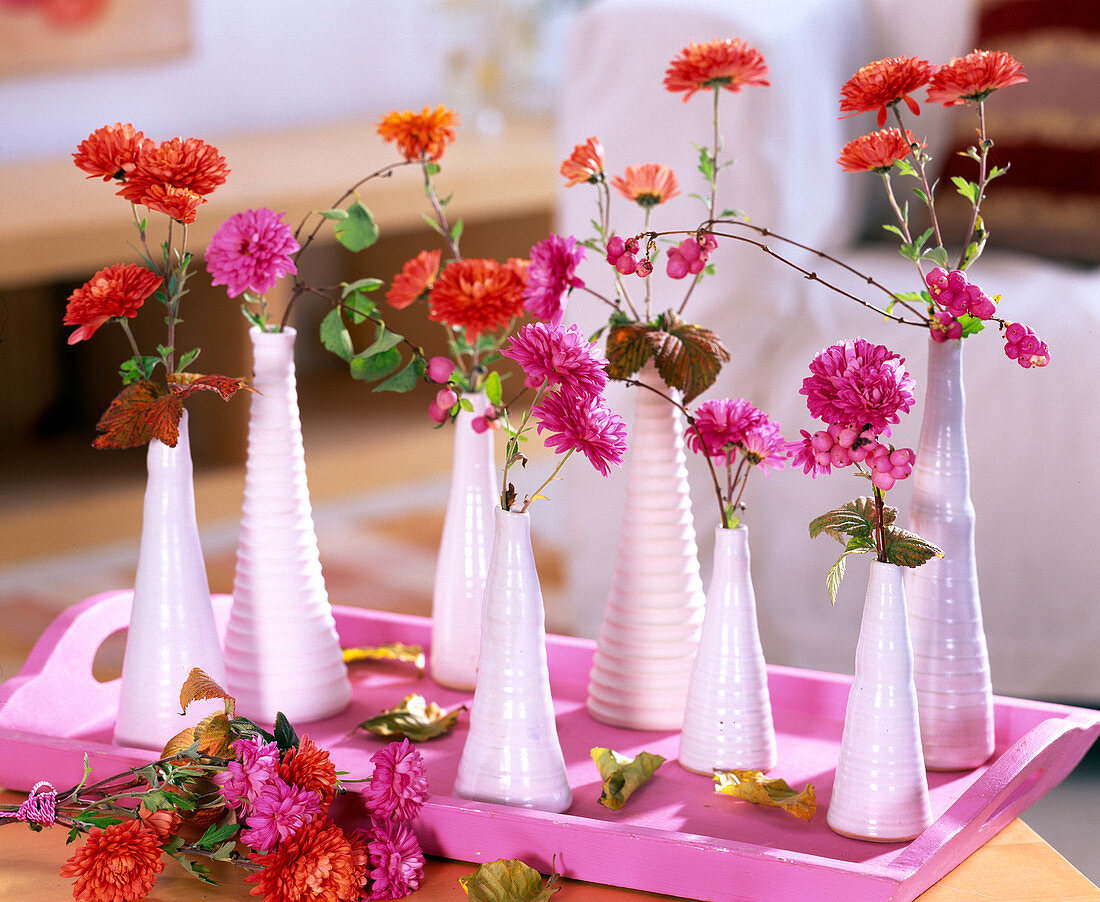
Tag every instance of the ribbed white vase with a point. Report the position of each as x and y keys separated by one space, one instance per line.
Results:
x=171 y=623
x=954 y=686
x=512 y=755
x=281 y=649
x=728 y=722
x=464 y=553
x=880 y=791
x=650 y=628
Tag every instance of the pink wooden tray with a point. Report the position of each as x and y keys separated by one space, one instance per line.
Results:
x=675 y=836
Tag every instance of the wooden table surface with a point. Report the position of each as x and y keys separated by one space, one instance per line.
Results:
x=1017 y=865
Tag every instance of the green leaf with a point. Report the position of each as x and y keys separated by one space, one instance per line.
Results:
x=688 y=357
x=359 y=307
x=384 y=339
x=225 y=851
x=196 y=869
x=622 y=775
x=937 y=255
x=187 y=359
x=367 y=369
x=284 y=733
x=215 y=835
x=431 y=169
x=854 y=519
x=358 y=231
x=506 y=881
x=895 y=230
x=833 y=579
x=494 y=391
x=466 y=404
x=971 y=325
x=406 y=379
x=456 y=231
x=967 y=189
x=335 y=335
x=907 y=549
x=131 y=370
x=706 y=163
x=254 y=318
x=415 y=719
x=904 y=167
x=335 y=213
x=995 y=172
x=359 y=285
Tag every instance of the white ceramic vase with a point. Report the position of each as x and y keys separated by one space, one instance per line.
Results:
x=281 y=648
x=728 y=722
x=464 y=553
x=954 y=687
x=171 y=623
x=512 y=755
x=650 y=629
x=880 y=791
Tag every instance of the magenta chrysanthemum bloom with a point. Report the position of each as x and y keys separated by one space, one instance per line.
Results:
x=278 y=813
x=561 y=355
x=398 y=785
x=550 y=276
x=397 y=862
x=720 y=424
x=251 y=252
x=763 y=446
x=256 y=765
x=582 y=424
x=855 y=383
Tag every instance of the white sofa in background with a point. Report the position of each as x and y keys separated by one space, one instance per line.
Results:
x=1033 y=434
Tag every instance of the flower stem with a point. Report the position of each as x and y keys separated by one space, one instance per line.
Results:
x=919 y=157
x=902 y=219
x=125 y=323
x=550 y=479
x=880 y=528
x=983 y=158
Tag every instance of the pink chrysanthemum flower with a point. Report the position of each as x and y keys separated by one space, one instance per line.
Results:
x=397 y=862
x=241 y=782
x=278 y=813
x=550 y=276
x=561 y=355
x=720 y=424
x=763 y=446
x=398 y=785
x=856 y=383
x=251 y=251
x=582 y=424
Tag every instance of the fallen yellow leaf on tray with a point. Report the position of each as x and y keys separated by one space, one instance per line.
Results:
x=507 y=880
x=395 y=651
x=753 y=786
x=622 y=775
x=416 y=719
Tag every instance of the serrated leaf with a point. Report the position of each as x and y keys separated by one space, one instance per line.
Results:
x=405 y=379
x=506 y=880
x=142 y=411
x=367 y=369
x=627 y=349
x=688 y=357
x=753 y=786
x=184 y=385
x=907 y=549
x=358 y=230
x=415 y=719
x=200 y=686
x=622 y=776
x=137 y=368
x=856 y=545
x=285 y=737
x=395 y=651
x=856 y=518
x=335 y=336
x=967 y=189
x=187 y=359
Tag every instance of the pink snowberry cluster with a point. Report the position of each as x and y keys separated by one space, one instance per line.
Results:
x=689 y=257
x=1022 y=346
x=838 y=446
x=957 y=295
x=443 y=405
x=623 y=255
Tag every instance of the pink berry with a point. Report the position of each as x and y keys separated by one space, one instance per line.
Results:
x=677 y=267
x=645 y=268
x=445 y=399
x=883 y=481
x=616 y=247
x=956 y=280
x=858 y=454
x=1015 y=332
x=437 y=413
x=626 y=264
x=936 y=276
x=848 y=436
x=631 y=245
x=479 y=424
x=696 y=266
x=983 y=308
x=821 y=441
x=440 y=369
x=838 y=456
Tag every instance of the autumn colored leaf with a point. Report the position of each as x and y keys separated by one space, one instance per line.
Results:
x=184 y=385
x=395 y=651
x=622 y=775
x=627 y=349
x=415 y=719
x=907 y=549
x=753 y=786
x=199 y=686
x=141 y=412
x=215 y=736
x=507 y=880
x=688 y=357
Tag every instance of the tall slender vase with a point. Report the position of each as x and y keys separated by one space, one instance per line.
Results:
x=512 y=755
x=650 y=629
x=954 y=687
x=281 y=649
x=728 y=722
x=880 y=791
x=171 y=623
x=464 y=553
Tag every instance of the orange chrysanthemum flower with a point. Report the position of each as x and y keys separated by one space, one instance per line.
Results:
x=415 y=279
x=585 y=164
x=316 y=863
x=180 y=163
x=309 y=767
x=729 y=64
x=119 y=864
x=884 y=83
x=477 y=295
x=647 y=185
x=419 y=136
x=974 y=77
x=877 y=151
x=116 y=291
x=182 y=204
x=112 y=151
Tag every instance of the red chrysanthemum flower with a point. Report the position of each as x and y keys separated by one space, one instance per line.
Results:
x=420 y=136
x=585 y=164
x=415 y=279
x=728 y=64
x=118 y=290
x=180 y=163
x=477 y=295
x=309 y=767
x=876 y=152
x=974 y=77
x=111 y=151
x=316 y=863
x=182 y=204
x=882 y=84
x=118 y=864
x=647 y=185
